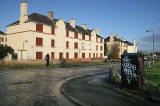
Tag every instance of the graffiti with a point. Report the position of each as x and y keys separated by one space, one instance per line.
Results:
x=141 y=63
x=141 y=70
x=129 y=69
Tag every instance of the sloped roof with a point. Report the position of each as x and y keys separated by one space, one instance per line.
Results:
x=77 y=29
x=38 y=18
x=2 y=33
x=115 y=39
x=118 y=39
x=129 y=43
x=14 y=23
x=35 y=17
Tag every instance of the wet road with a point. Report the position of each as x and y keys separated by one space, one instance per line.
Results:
x=39 y=87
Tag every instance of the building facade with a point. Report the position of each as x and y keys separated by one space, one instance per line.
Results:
x=3 y=38
x=119 y=45
x=132 y=48
x=35 y=35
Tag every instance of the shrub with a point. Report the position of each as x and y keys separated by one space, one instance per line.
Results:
x=63 y=62
x=114 y=55
x=5 y=50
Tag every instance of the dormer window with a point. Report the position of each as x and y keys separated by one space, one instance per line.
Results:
x=39 y=27
x=67 y=33
x=101 y=40
x=75 y=34
x=83 y=36
x=53 y=30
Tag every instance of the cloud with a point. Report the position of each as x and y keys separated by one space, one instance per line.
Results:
x=146 y=44
x=149 y=39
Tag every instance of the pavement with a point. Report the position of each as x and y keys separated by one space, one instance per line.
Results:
x=97 y=90
x=39 y=86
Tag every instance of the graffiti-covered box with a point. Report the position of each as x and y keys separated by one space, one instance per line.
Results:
x=132 y=70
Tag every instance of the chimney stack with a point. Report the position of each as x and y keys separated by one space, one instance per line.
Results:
x=50 y=15
x=134 y=42
x=116 y=35
x=122 y=38
x=72 y=22
x=84 y=26
x=23 y=12
x=97 y=32
x=111 y=37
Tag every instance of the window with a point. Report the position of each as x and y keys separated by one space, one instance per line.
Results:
x=89 y=55
x=83 y=36
x=2 y=39
x=52 y=43
x=39 y=55
x=83 y=45
x=90 y=46
x=6 y=39
x=52 y=55
x=53 y=31
x=60 y=55
x=76 y=55
x=101 y=40
x=101 y=48
x=89 y=38
x=75 y=34
x=39 y=27
x=97 y=55
x=67 y=44
x=76 y=45
x=93 y=55
x=67 y=33
x=83 y=55
x=39 y=42
x=96 y=39
x=101 y=55
x=96 y=47
x=67 y=55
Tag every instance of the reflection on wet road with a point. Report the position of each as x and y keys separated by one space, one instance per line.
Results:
x=34 y=87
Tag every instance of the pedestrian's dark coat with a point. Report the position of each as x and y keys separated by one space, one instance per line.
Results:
x=47 y=60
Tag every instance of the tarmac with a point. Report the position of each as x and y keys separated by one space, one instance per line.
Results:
x=97 y=90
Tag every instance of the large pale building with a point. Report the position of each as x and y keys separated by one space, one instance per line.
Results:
x=35 y=35
x=119 y=45
x=3 y=38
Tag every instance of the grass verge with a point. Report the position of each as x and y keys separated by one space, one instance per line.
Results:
x=62 y=65
x=152 y=78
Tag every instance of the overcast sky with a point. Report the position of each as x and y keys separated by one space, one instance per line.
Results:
x=128 y=18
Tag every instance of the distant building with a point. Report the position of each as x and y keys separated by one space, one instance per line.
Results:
x=132 y=48
x=3 y=38
x=118 y=45
x=35 y=35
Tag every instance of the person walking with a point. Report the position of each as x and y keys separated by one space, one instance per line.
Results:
x=47 y=59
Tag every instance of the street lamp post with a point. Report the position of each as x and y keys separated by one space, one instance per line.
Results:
x=21 y=50
x=153 y=44
x=24 y=42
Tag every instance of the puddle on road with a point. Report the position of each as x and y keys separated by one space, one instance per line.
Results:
x=21 y=82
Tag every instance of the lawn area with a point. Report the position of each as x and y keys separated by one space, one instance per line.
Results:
x=62 y=64
x=152 y=77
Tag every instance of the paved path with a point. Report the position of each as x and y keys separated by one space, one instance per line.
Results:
x=39 y=87
x=97 y=91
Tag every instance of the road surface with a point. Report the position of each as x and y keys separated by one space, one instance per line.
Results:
x=39 y=86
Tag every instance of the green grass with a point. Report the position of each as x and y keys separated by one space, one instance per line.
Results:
x=152 y=77
x=78 y=64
